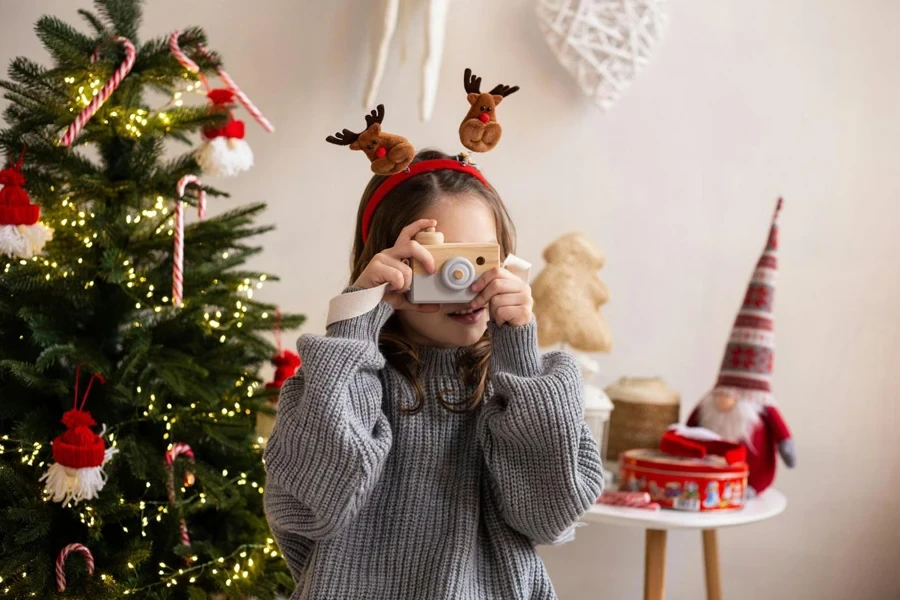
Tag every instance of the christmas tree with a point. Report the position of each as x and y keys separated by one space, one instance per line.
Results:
x=171 y=507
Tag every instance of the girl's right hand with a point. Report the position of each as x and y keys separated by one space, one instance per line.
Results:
x=391 y=266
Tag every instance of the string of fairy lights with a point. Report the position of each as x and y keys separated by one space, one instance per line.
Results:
x=239 y=564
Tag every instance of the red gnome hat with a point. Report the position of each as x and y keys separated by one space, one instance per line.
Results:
x=223 y=99
x=750 y=353
x=79 y=446
x=224 y=152
x=15 y=205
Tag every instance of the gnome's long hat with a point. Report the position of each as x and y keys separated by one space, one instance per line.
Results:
x=750 y=354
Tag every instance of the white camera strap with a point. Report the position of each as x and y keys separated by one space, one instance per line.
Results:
x=353 y=304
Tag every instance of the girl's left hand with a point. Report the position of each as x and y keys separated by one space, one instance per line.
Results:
x=508 y=297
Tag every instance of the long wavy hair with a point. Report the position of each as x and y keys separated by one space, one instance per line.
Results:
x=403 y=205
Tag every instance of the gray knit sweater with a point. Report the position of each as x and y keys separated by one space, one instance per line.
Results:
x=370 y=503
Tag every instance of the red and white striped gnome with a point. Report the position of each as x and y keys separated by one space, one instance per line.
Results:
x=21 y=234
x=224 y=151
x=741 y=407
x=79 y=453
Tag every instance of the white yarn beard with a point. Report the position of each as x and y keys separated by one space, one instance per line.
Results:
x=24 y=241
x=735 y=425
x=224 y=157
x=65 y=484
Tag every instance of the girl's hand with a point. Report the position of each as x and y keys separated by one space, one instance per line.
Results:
x=508 y=296
x=391 y=266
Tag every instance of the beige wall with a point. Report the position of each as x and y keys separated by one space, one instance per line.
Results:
x=744 y=101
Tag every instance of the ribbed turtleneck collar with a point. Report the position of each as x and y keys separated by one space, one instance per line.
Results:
x=441 y=361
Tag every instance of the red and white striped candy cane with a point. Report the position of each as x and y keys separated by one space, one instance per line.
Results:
x=178 y=262
x=172 y=453
x=105 y=92
x=191 y=66
x=61 y=563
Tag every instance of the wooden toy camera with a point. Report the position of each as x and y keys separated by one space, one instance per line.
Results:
x=457 y=267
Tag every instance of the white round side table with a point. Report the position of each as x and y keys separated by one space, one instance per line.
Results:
x=765 y=506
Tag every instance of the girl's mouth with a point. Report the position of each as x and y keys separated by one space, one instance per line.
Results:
x=466 y=317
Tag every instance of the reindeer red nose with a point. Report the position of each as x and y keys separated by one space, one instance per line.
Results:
x=381 y=152
x=484 y=117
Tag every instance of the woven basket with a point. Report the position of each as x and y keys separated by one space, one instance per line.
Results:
x=644 y=409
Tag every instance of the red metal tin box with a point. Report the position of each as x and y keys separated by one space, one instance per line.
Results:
x=690 y=484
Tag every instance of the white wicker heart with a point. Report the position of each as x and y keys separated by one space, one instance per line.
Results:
x=603 y=43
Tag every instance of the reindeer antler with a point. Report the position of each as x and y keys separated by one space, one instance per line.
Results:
x=504 y=90
x=471 y=82
x=376 y=116
x=343 y=138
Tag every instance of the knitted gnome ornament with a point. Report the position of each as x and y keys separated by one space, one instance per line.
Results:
x=741 y=407
x=21 y=235
x=80 y=455
x=224 y=151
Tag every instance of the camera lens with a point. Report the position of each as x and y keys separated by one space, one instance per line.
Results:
x=457 y=273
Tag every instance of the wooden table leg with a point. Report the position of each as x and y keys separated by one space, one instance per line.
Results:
x=655 y=565
x=711 y=558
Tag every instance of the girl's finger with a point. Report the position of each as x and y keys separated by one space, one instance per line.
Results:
x=405 y=269
x=409 y=232
x=506 y=314
x=412 y=249
x=515 y=299
x=489 y=276
x=497 y=286
x=387 y=274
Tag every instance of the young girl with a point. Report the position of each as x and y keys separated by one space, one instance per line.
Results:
x=423 y=451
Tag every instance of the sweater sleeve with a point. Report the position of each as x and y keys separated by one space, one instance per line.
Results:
x=543 y=462
x=331 y=438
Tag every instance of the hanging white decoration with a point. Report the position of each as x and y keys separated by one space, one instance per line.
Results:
x=435 y=28
x=603 y=44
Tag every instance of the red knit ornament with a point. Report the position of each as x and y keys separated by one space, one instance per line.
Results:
x=222 y=100
x=79 y=446
x=15 y=205
x=286 y=364
x=79 y=453
x=224 y=152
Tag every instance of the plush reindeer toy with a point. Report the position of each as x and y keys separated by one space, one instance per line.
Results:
x=480 y=131
x=387 y=152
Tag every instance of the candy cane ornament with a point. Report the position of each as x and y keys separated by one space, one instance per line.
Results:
x=61 y=563
x=174 y=452
x=105 y=92
x=191 y=66
x=178 y=262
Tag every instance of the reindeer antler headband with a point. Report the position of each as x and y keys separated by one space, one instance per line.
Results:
x=392 y=155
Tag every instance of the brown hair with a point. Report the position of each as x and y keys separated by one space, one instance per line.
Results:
x=403 y=205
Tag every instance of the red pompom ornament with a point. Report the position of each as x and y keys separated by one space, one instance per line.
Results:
x=21 y=235
x=80 y=455
x=224 y=151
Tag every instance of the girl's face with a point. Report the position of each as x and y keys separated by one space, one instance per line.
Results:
x=462 y=219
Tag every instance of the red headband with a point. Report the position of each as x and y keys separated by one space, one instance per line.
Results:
x=418 y=168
